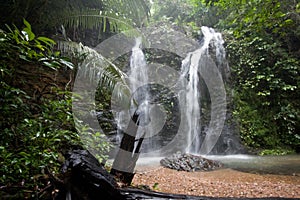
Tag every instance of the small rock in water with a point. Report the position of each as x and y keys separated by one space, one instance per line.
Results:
x=189 y=162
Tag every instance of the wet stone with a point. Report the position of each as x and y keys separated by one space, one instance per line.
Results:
x=189 y=162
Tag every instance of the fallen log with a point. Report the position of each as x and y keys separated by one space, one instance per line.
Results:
x=86 y=178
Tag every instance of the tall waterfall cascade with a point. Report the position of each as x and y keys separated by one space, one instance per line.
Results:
x=138 y=78
x=140 y=105
x=199 y=70
x=192 y=94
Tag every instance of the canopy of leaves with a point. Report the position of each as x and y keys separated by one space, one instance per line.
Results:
x=45 y=15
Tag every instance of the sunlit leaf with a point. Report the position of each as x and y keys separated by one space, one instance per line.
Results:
x=46 y=40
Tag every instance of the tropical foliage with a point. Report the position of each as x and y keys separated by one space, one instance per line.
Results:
x=33 y=129
x=36 y=120
x=263 y=42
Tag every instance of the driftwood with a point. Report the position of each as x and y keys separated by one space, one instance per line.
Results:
x=87 y=179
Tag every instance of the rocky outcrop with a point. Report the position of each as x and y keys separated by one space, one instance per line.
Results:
x=190 y=162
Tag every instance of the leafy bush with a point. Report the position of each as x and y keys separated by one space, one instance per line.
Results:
x=34 y=131
x=256 y=128
x=32 y=146
x=263 y=43
x=95 y=142
x=278 y=152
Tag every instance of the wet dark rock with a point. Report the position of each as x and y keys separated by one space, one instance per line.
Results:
x=229 y=141
x=190 y=162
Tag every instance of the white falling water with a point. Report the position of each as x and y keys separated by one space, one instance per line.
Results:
x=192 y=66
x=138 y=80
x=138 y=70
x=190 y=69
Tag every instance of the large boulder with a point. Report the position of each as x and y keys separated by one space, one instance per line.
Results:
x=189 y=162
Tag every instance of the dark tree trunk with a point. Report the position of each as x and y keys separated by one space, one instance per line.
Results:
x=126 y=158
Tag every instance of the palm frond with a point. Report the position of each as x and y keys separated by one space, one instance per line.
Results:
x=112 y=16
x=100 y=71
x=91 y=18
x=94 y=66
x=107 y=14
x=136 y=11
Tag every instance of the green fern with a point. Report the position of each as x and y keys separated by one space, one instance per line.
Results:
x=137 y=11
x=91 y=18
x=118 y=15
x=94 y=65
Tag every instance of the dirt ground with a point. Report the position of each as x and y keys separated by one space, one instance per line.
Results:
x=218 y=183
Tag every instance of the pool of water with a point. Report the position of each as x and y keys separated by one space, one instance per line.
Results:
x=287 y=164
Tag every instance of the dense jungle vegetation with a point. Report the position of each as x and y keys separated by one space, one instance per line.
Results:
x=37 y=126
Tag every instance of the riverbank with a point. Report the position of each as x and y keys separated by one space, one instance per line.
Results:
x=218 y=183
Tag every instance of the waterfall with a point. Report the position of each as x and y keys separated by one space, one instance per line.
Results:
x=140 y=104
x=201 y=75
x=191 y=70
x=138 y=78
x=192 y=101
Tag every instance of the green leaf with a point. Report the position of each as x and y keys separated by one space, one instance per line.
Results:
x=23 y=57
x=66 y=63
x=50 y=64
x=298 y=8
x=56 y=53
x=27 y=32
x=24 y=154
x=27 y=24
x=288 y=22
x=46 y=40
x=30 y=34
x=41 y=47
